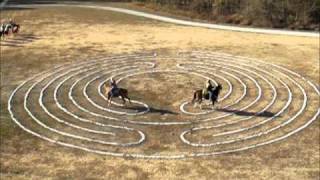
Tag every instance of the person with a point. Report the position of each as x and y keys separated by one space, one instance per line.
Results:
x=114 y=87
x=208 y=89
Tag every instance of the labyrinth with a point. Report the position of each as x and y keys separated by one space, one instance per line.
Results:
x=260 y=104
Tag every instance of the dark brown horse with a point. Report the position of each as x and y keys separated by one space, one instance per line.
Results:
x=198 y=96
x=120 y=92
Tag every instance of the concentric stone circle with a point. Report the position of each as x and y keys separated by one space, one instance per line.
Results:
x=261 y=103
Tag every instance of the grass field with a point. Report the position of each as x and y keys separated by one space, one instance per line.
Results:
x=53 y=36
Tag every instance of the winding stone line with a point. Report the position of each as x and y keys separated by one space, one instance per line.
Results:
x=59 y=120
x=182 y=106
x=182 y=72
x=239 y=72
x=260 y=112
x=258 y=86
x=97 y=72
x=248 y=76
x=56 y=118
x=84 y=92
x=73 y=115
x=111 y=118
x=244 y=129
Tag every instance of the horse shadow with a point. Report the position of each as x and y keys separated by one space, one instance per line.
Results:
x=246 y=113
x=18 y=40
x=151 y=110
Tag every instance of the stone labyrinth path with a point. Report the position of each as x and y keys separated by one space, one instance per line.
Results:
x=259 y=104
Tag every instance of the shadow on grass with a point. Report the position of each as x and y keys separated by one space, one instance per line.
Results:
x=152 y=110
x=246 y=113
x=18 y=40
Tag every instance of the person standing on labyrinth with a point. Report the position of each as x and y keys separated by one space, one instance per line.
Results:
x=114 y=87
x=208 y=89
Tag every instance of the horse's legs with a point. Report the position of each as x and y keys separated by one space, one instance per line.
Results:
x=197 y=99
x=194 y=97
x=195 y=104
x=109 y=99
x=128 y=99
x=200 y=103
x=212 y=105
x=194 y=100
x=200 y=96
x=124 y=101
x=125 y=95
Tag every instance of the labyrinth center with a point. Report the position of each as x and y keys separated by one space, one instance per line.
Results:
x=259 y=104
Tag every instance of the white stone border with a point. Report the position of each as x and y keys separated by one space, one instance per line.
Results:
x=210 y=57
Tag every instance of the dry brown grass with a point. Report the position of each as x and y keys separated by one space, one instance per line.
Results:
x=84 y=33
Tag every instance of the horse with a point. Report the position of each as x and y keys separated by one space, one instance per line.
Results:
x=120 y=92
x=5 y=29
x=198 y=96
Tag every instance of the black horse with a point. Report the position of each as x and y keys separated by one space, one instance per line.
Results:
x=198 y=95
x=120 y=92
